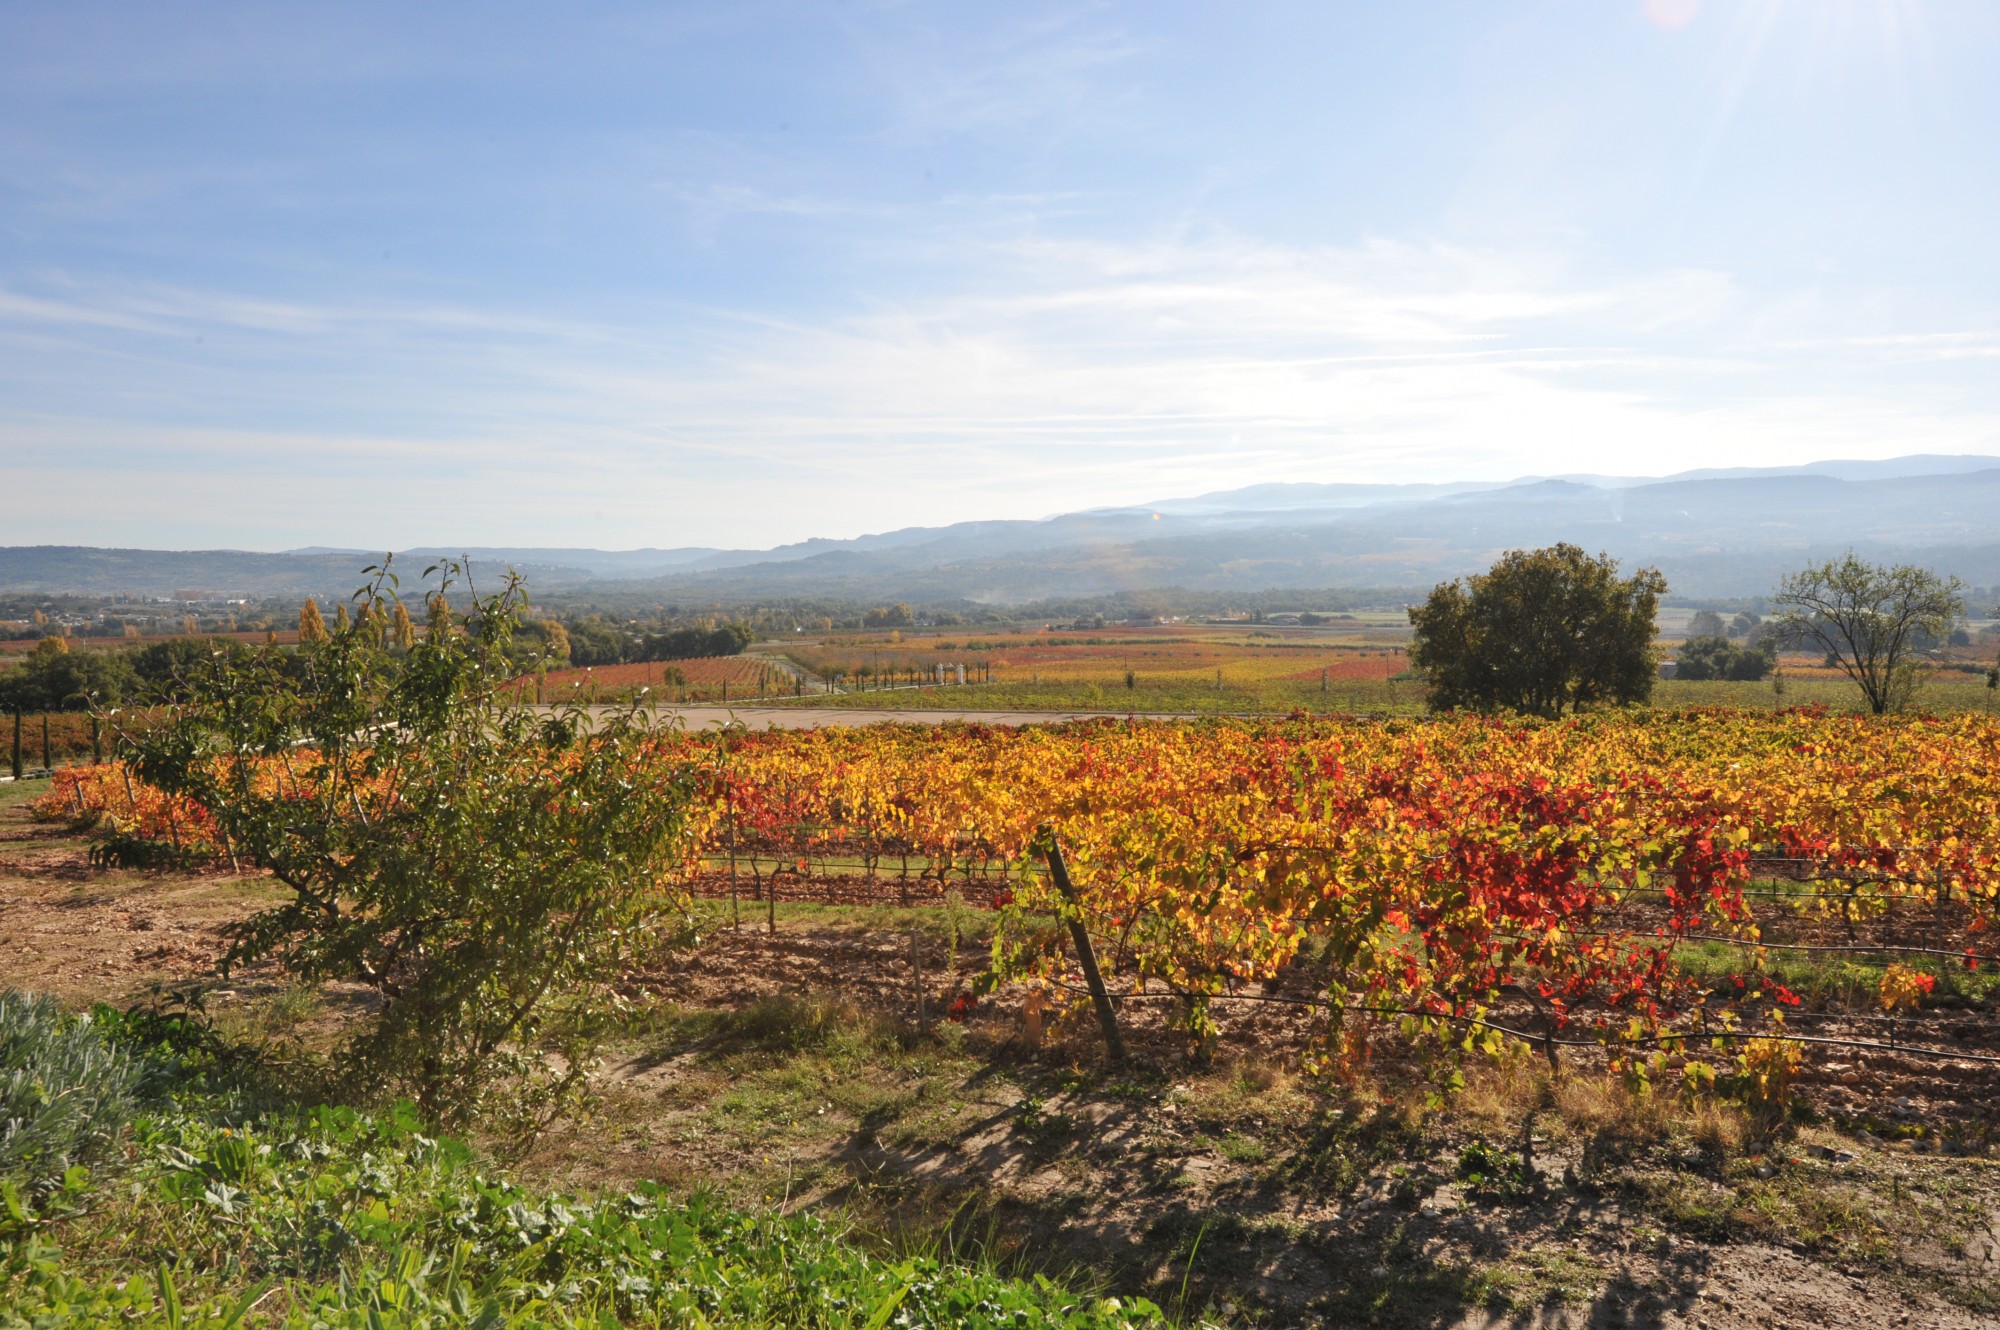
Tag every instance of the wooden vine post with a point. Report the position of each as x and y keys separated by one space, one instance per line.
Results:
x=1086 y=956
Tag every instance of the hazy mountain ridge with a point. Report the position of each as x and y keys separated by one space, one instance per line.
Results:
x=1721 y=534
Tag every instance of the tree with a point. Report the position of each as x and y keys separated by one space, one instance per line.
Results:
x=484 y=866
x=1705 y=623
x=54 y=678
x=595 y=642
x=165 y=669
x=1543 y=632
x=1870 y=620
x=727 y=639
x=888 y=616
x=1718 y=658
x=402 y=633
x=541 y=642
x=312 y=628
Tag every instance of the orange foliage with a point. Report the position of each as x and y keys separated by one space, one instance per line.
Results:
x=1432 y=863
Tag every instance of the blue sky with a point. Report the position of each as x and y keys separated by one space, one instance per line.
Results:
x=285 y=274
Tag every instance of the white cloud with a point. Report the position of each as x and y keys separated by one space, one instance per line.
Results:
x=1067 y=374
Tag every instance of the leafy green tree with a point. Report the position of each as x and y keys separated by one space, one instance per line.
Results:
x=165 y=669
x=1870 y=620
x=1543 y=632
x=1705 y=623
x=484 y=866
x=592 y=641
x=726 y=639
x=54 y=678
x=1718 y=658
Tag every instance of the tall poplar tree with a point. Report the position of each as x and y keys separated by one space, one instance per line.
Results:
x=402 y=633
x=312 y=628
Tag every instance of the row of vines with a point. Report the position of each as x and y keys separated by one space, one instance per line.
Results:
x=1435 y=867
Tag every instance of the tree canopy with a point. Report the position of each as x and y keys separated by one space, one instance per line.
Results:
x=54 y=678
x=1544 y=632
x=1719 y=658
x=1873 y=621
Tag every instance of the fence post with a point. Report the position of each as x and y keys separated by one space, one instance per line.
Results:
x=1086 y=956
x=17 y=743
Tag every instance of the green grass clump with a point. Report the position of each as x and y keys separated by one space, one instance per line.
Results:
x=330 y=1217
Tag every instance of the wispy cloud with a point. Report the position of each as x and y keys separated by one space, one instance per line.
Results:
x=1063 y=374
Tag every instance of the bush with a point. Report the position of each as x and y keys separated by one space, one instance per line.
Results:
x=486 y=867
x=1718 y=658
x=64 y=1091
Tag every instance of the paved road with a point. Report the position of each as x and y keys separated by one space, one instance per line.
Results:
x=815 y=718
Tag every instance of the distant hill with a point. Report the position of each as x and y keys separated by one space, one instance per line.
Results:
x=1729 y=536
x=1714 y=533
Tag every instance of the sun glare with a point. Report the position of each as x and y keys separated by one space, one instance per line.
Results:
x=1672 y=13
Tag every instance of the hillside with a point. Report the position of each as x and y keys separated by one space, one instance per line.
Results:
x=1714 y=534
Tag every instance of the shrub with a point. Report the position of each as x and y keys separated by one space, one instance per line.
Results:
x=1715 y=657
x=64 y=1091
x=483 y=865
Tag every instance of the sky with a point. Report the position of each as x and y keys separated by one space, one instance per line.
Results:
x=372 y=276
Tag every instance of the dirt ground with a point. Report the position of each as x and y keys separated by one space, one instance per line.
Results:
x=788 y=1067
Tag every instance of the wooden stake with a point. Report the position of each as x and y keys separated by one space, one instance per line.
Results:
x=1086 y=956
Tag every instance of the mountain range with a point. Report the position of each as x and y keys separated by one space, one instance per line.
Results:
x=1717 y=533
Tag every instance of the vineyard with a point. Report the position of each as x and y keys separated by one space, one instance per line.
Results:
x=699 y=679
x=1483 y=878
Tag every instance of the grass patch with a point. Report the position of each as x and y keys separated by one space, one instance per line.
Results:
x=786 y=1072
x=1536 y=1279
x=18 y=793
x=326 y=1216
x=1823 y=979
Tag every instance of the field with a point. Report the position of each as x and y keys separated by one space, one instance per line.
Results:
x=1351 y=667
x=1176 y=669
x=1748 y=959
x=703 y=679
